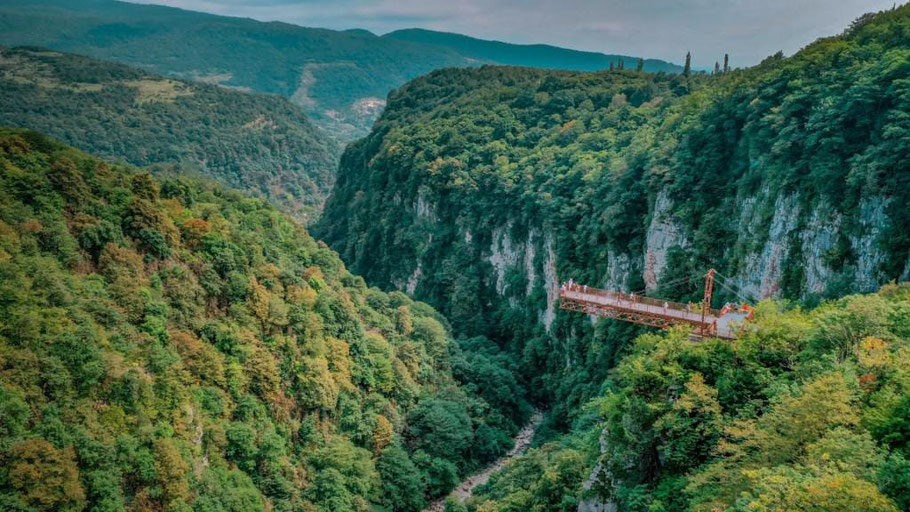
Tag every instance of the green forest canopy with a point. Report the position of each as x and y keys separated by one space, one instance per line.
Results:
x=258 y=143
x=809 y=411
x=169 y=344
x=581 y=157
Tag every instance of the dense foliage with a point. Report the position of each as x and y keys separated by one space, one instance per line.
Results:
x=499 y=147
x=173 y=345
x=575 y=162
x=808 y=411
x=258 y=143
x=805 y=413
x=340 y=77
x=169 y=344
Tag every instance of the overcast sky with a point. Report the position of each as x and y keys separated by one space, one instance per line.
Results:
x=748 y=29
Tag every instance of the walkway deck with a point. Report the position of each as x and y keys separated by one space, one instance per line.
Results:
x=648 y=311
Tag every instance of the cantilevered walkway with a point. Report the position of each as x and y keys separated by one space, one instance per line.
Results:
x=629 y=307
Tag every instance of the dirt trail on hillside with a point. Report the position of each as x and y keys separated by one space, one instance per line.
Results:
x=466 y=488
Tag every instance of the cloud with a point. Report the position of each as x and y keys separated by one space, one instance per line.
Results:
x=747 y=29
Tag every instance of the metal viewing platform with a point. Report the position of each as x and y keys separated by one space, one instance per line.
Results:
x=630 y=307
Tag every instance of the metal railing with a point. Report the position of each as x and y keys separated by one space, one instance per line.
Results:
x=632 y=298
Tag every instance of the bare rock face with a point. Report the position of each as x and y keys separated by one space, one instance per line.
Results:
x=411 y=285
x=816 y=235
x=762 y=271
x=530 y=254
x=664 y=232
x=535 y=257
x=424 y=207
x=872 y=221
x=504 y=254
x=424 y=211
x=774 y=230
x=550 y=283
x=619 y=266
x=595 y=505
x=818 y=238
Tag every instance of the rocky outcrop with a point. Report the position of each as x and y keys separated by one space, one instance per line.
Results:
x=818 y=238
x=762 y=271
x=425 y=208
x=530 y=254
x=664 y=232
x=424 y=211
x=773 y=231
x=619 y=266
x=550 y=284
x=872 y=221
x=411 y=285
x=504 y=254
x=793 y=237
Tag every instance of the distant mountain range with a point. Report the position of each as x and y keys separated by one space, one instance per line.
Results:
x=527 y=55
x=258 y=143
x=340 y=78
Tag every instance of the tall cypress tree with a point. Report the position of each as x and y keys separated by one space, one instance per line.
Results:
x=611 y=65
x=726 y=63
x=641 y=64
x=688 y=69
x=716 y=67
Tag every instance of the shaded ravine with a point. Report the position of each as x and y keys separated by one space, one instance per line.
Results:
x=466 y=488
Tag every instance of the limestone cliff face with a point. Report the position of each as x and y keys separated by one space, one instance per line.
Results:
x=872 y=221
x=819 y=238
x=505 y=254
x=774 y=231
x=664 y=232
x=763 y=266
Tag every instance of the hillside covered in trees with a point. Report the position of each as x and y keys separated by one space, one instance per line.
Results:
x=341 y=78
x=480 y=189
x=258 y=143
x=169 y=344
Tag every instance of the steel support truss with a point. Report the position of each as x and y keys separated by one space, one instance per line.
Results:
x=629 y=315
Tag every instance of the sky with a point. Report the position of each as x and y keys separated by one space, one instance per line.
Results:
x=749 y=30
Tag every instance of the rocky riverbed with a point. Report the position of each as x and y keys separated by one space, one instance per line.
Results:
x=466 y=488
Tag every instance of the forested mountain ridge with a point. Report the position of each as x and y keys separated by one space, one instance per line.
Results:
x=341 y=78
x=480 y=189
x=254 y=142
x=528 y=55
x=169 y=344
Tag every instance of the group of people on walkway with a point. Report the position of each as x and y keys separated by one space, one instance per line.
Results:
x=573 y=286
